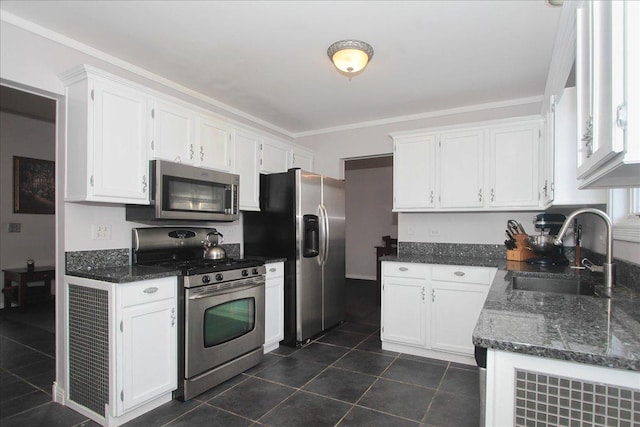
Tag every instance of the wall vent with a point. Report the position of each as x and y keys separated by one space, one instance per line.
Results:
x=548 y=400
x=89 y=347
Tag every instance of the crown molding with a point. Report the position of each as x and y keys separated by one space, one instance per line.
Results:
x=429 y=115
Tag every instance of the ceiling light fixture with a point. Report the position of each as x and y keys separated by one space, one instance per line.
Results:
x=350 y=56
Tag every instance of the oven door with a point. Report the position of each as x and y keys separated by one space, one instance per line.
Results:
x=221 y=325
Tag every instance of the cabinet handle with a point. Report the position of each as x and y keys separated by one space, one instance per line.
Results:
x=546 y=186
x=459 y=273
x=122 y=395
x=91 y=180
x=93 y=95
x=480 y=195
x=621 y=116
x=433 y=295
x=151 y=290
x=201 y=153
x=403 y=269
x=152 y=144
x=431 y=196
x=493 y=195
x=121 y=326
x=588 y=137
x=272 y=269
x=144 y=183
x=191 y=151
x=423 y=293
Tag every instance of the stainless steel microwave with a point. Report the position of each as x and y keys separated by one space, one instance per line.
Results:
x=186 y=193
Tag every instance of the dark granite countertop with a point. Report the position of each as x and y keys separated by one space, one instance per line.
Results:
x=123 y=274
x=592 y=330
x=447 y=260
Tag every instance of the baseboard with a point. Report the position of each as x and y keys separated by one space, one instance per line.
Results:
x=360 y=277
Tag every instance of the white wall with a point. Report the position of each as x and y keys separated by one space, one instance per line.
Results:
x=369 y=200
x=24 y=137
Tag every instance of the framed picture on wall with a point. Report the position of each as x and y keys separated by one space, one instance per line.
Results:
x=33 y=186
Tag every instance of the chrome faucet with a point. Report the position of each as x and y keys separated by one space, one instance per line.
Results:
x=608 y=266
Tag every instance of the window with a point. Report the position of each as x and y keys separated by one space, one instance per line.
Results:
x=625 y=214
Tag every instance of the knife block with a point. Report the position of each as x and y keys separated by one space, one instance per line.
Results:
x=522 y=251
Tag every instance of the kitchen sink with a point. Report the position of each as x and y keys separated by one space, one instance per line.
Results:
x=553 y=285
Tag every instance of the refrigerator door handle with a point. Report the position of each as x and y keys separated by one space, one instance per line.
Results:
x=324 y=221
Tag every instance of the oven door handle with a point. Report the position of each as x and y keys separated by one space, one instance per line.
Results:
x=224 y=291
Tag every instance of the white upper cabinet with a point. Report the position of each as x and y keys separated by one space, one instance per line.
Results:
x=173 y=133
x=560 y=185
x=247 y=159
x=492 y=165
x=302 y=159
x=513 y=166
x=214 y=144
x=106 y=146
x=414 y=172
x=607 y=79
x=461 y=169
x=274 y=156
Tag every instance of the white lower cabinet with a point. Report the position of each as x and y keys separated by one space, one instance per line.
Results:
x=274 y=306
x=122 y=347
x=431 y=310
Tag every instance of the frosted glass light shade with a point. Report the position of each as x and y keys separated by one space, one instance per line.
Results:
x=350 y=56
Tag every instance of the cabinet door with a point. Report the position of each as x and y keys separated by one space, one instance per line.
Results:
x=461 y=169
x=404 y=311
x=455 y=308
x=173 y=133
x=215 y=144
x=119 y=150
x=274 y=156
x=274 y=312
x=149 y=352
x=414 y=173
x=302 y=159
x=246 y=165
x=513 y=166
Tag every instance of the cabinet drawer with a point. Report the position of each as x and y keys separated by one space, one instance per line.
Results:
x=405 y=269
x=463 y=274
x=148 y=291
x=275 y=269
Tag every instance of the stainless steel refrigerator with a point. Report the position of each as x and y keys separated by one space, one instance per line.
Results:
x=302 y=219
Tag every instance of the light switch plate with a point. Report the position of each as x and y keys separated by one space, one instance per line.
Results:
x=14 y=227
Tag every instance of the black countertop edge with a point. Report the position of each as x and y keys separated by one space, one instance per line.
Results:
x=124 y=274
x=266 y=260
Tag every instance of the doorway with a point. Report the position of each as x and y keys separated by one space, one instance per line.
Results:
x=27 y=159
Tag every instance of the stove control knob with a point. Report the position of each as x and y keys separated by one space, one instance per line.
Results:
x=245 y=273
x=219 y=277
x=254 y=271
x=206 y=279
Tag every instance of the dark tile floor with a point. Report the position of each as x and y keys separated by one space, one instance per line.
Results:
x=343 y=378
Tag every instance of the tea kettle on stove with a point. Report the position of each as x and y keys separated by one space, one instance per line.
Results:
x=211 y=248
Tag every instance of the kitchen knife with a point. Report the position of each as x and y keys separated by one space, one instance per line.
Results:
x=513 y=226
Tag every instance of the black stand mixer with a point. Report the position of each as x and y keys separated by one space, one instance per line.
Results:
x=548 y=224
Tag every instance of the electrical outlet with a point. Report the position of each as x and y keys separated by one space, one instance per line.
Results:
x=435 y=232
x=14 y=227
x=100 y=232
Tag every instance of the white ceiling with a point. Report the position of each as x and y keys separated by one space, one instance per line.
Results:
x=268 y=58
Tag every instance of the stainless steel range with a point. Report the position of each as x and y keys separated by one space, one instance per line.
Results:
x=221 y=307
